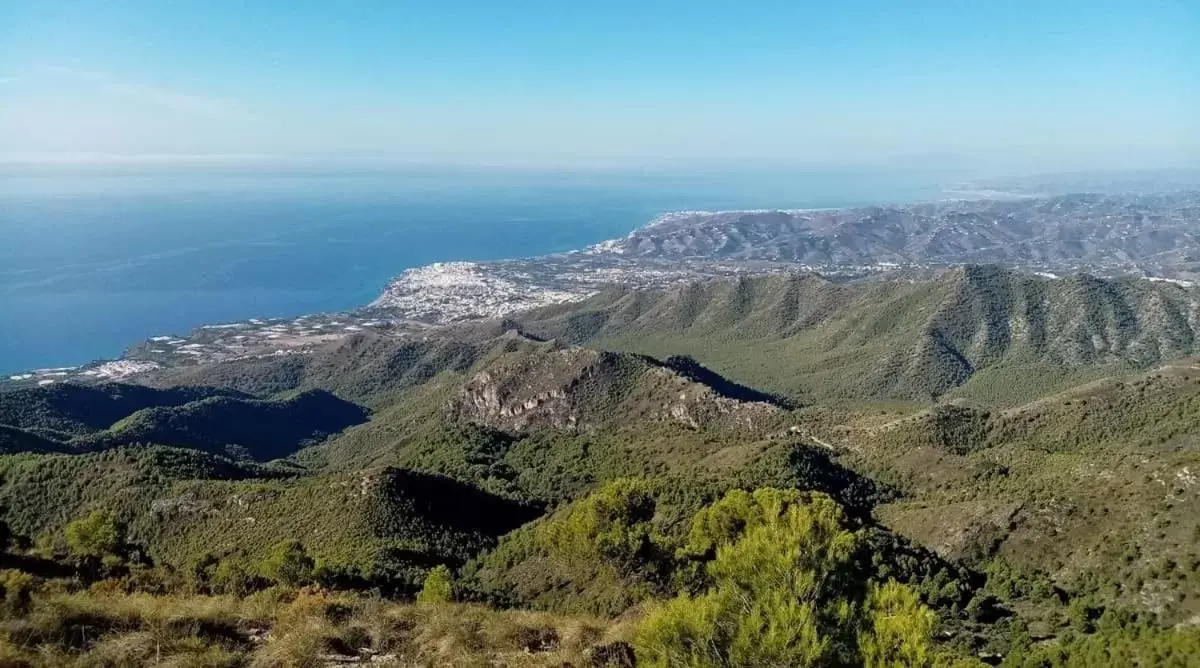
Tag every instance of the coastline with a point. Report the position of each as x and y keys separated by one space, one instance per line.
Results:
x=649 y=257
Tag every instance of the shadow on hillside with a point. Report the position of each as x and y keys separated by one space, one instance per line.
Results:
x=689 y=368
x=445 y=503
x=808 y=467
x=255 y=429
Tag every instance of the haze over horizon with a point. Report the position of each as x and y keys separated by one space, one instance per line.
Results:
x=1024 y=85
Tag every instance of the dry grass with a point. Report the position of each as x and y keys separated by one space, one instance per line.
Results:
x=277 y=628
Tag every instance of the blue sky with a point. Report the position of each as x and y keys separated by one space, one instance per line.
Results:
x=1039 y=84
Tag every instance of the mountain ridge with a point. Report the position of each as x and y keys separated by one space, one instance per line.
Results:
x=906 y=339
x=1062 y=232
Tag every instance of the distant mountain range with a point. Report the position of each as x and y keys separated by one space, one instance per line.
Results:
x=1152 y=233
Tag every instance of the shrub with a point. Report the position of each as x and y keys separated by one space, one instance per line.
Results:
x=774 y=598
x=289 y=564
x=95 y=536
x=231 y=578
x=684 y=631
x=898 y=628
x=612 y=525
x=15 y=590
x=784 y=591
x=438 y=587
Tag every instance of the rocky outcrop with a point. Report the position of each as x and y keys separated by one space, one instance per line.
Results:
x=579 y=389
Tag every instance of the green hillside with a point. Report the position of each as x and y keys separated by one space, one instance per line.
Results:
x=181 y=504
x=371 y=525
x=201 y=418
x=1007 y=463
x=365 y=368
x=41 y=493
x=986 y=332
x=242 y=428
x=73 y=409
x=1094 y=486
x=15 y=439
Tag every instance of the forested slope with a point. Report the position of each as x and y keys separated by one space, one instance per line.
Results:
x=1005 y=463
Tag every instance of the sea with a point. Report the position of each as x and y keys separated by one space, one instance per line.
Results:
x=94 y=260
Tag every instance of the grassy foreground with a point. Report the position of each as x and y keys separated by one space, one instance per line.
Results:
x=282 y=627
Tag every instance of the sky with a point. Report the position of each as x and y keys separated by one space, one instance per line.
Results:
x=1039 y=84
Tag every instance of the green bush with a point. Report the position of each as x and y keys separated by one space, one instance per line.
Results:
x=231 y=577
x=16 y=588
x=95 y=536
x=685 y=631
x=783 y=591
x=438 y=587
x=1115 y=644
x=897 y=628
x=289 y=564
x=611 y=525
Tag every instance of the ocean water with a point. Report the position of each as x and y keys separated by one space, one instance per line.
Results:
x=92 y=262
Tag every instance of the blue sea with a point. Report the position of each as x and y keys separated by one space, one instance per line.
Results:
x=92 y=261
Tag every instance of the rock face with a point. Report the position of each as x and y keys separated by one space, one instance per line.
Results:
x=518 y=390
x=179 y=506
x=484 y=402
x=582 y=390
